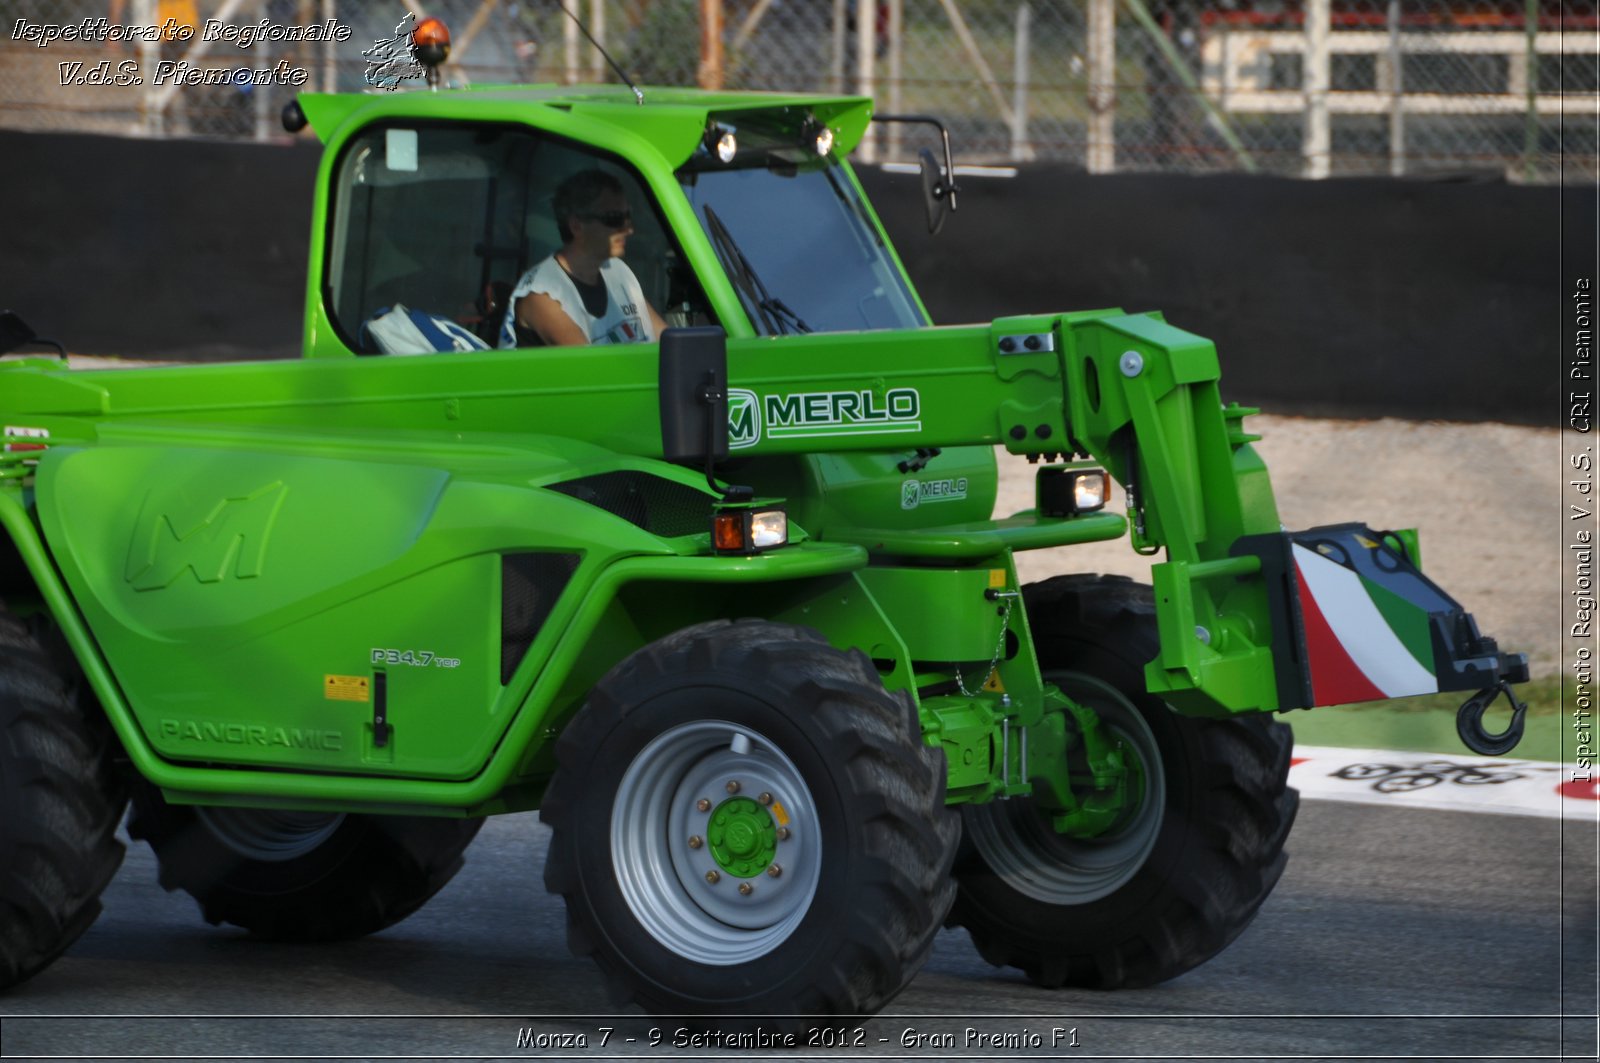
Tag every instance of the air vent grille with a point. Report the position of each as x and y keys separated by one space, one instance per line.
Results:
x=659 y=506
x=529 y=587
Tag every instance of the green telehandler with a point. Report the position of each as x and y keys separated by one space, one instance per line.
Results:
x=730 y=606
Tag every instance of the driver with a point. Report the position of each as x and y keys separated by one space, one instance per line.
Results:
x=584 y=293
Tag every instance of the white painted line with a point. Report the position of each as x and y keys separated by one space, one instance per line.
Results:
x=1497 y=785
x=961 y=171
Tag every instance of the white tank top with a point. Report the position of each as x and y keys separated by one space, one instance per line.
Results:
x=626 y=319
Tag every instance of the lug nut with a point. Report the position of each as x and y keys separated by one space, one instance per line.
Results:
x=774 y=871
x=733 y=786
x=713 y=878
x=745 y=889
x=695 y=842
x=765 y=799
x=783 y=834
x=703 y=805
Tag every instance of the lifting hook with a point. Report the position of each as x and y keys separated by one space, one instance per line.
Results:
x=1469 y=721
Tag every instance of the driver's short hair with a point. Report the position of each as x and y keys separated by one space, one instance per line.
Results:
x=579 y=192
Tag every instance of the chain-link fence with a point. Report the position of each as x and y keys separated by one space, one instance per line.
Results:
x=1301 y=87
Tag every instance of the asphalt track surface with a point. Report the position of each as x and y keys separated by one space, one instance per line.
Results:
x=1395 y=933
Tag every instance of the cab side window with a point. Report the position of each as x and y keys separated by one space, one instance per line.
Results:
x=434 y=225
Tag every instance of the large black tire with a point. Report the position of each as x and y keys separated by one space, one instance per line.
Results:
x=61 y=798
x=1181 y=876
x=731 y=711
x=289 y=876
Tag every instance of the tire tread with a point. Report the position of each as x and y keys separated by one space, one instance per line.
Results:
x=62 y=801
x=911 y=836
x=395 y=864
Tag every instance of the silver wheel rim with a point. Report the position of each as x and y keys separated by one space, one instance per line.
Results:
x=1025 y=851
x=270 y=835
x=664 y=880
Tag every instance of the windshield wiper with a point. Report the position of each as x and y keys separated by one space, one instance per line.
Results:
x=853 y=204
x=776 y=317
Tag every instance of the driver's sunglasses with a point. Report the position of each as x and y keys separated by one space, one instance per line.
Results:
x=611 y=219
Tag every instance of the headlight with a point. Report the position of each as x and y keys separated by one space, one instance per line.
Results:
x=769 y=528
x=1089 y=490
x=746 y=531
x=1063 y=492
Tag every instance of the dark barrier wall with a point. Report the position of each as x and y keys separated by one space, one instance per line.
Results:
x=1351 y=297
x=1354 y=298
x=161 y=249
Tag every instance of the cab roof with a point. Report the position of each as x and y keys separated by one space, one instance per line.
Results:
x=673 y=120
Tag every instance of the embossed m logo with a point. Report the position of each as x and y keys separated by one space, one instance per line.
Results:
x=175 y=534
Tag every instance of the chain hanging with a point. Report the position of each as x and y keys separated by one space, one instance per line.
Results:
x=999 y=647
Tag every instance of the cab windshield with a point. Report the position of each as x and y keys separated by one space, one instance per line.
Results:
x=794 y=236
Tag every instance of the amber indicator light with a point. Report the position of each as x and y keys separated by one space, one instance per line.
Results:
x=727 y=531
x=430 y=31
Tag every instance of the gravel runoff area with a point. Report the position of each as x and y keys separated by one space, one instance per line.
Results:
x=1486 y=499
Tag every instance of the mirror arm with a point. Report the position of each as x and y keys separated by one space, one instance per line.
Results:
x=712 y=394
x=949 y=189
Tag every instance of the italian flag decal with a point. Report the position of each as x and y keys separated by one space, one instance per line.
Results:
x=1363 y=642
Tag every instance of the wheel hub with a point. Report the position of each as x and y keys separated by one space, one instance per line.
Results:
x=716 y=882
x=744 y=839
x=1023 y=845
x=730 y=857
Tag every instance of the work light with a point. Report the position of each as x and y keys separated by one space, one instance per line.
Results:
x=721 y=141
x=816 y=135
x=1064 y=491
x=748 y=531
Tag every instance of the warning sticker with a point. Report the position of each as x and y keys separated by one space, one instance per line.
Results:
x=39 y=438
x=997 y=578
x=344 y=687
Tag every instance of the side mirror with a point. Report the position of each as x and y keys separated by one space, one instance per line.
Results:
x=694 y=395
x=293 y=118
x=15 y=332
x=938 y=185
